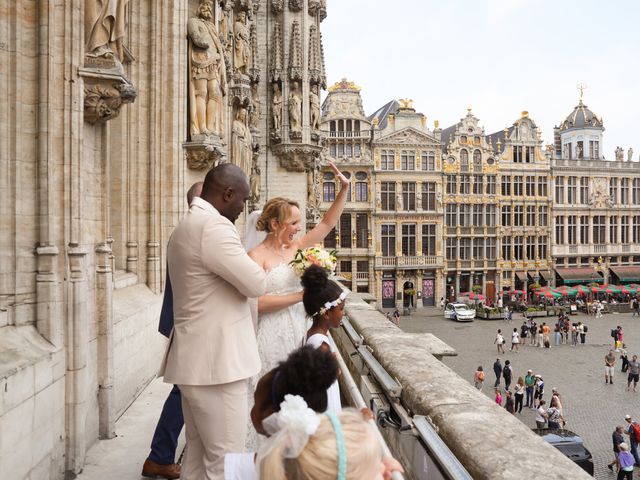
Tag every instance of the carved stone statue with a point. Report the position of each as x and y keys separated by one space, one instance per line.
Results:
x=295 y=108
x=207 y=74
x=242 y=141
x=629 y=154
x=242 y=48
x=619 y=154
x=314 y=108
x=398 y=201
x=105 y=27
x=254 y=182
x=254 y=116
x=223 y=22
x=276 y=108
x=578 y=151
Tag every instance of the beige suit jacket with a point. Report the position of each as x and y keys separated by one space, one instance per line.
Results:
x=213 y=339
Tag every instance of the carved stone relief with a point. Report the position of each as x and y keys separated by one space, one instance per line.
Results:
x=295 y=52
x=103 y=103
x=295 y=111
x=105 y=28
x=314 y=108
x=241 y=141
x=295 y=5
x=242 y=46
x=276 y=112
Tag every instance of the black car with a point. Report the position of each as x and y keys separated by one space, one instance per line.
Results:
x=570 y=444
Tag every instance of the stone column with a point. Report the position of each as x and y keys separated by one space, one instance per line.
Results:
x=457 y=283
x=484 y=284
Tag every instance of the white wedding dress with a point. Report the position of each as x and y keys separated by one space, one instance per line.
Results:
x=279 y=333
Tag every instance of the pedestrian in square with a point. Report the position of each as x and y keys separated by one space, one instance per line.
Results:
x=617 y=438
x=478 y=378
x=609 y=364
x=515 y=340
x=538 y=390
x=499 y=342
x=497 y=369
x=508 y=405
x=624 y=359
x=507 y=373
x=634 y=373
x=498 y=397
x=519 y=394
x=533 y=332
x=625 y=463
x=541 y=415
x=529 y=382
x=633 y=430
x=396 y=317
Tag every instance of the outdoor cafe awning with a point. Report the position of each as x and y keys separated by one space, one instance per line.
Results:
x=522 y=276
x=572 y=276
x=627 y=274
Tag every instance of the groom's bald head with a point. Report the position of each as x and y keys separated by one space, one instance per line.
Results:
x=226 y=188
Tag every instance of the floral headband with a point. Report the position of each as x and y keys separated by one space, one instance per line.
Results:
x=329 y=305
x=293 y=425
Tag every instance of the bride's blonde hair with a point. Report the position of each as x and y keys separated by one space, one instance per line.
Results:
x=277 y=209
x=319 y=459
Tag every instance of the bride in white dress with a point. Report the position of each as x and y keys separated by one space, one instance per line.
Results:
x=282 y=322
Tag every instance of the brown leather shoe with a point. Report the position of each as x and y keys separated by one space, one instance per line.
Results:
x=155 y=470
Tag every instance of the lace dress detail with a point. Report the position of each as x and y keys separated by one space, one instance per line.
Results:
x=279 y=333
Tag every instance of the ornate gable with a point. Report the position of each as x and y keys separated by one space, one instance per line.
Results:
x=408 y=136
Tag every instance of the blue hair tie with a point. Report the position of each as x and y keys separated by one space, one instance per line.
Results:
x=342 y=454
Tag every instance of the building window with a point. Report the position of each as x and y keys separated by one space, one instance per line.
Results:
x=506 y=248
x=560 y=190
x=624 y=229
x=477 y=185
x=408 y=160
x=584 y=190
x=572 y=230
x=624 y=191
x=567 y=151
x=542 y=186
x=531 y=248
x=491 y=184
x=409 y=239
x=451 y=215
x=451 y=184
x=330 y=240
x=517 y=154
x=598 y=229
x=530 y=186
x=362 y=230
x=332 y=150
x=594 y=149
x=584 y=229
x=465 y=215
x=478 y=249
x=451 y=249
x=465 y=248
x=388 y=239
x=543 y=216
x=531 y=216
x=477 y=161
x=428 y=196
x=560 y=229
x=518 y=216
x=506 y=185
x=357 y=150
x=362 y=266
x=409 y=196
x=613 y=229
x=518 y=248
x=572 y=190
x=345 y=230
x=517 y=185
x=349 y=151
x=636 y=191
x=387 y=160
x=636 y=228
x=362 y=188
x=542 y=248
x=490 y=215
x=613 y=190
x=345 y=266
x=580 y=150
x=428 y=239
x=490 y=248
x=328 y=187
x=464 y=160
x=529 y=154
x=341 y=149
x=388 y=196
x=464 y=184
x=505 y=216
x=478 y=216
x=428 y=161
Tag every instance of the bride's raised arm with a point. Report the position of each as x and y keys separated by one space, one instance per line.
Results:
x=330 y=219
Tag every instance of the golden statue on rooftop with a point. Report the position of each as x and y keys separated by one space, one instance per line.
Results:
x=405 y=103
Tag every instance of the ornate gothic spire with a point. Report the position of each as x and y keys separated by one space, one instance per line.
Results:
x=295 y=52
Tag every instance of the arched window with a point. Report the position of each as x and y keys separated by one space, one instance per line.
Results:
x=361 y=187
x=464 y=160
x=477 y=159
x=328 y=187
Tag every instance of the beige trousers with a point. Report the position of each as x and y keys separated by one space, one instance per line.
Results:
x=215 y=418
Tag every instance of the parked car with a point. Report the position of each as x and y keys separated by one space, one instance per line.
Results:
x=460 y=312
x=570 y=444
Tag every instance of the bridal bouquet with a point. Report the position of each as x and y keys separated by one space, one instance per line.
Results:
x=314 y=256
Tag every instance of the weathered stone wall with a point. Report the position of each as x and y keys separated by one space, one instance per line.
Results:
x=488 y=441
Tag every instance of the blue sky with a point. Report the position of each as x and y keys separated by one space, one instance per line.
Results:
x=498 y=57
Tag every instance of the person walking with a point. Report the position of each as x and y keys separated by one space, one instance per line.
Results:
x=617 y=438
x=634 y=373
x=533 y=333
x=541 y=415
x=633 y=430
x=441 y=303
x=499 y=342
x=396 y=317
x=506 y=313
x=213 y=349
x=498 y=398
x=497 y=369
x=599 y=309
x=519 y=394
x=574 y=335
x=624 y=359
x=539 y=390
x=557 y=334
x=540 y=337
x=546 y=331
x=507 y=374
x=582 y=330
x=478 y=378
x=609 y=364
x=529 y=382
x=626 y=461
x=515 y=340
x=508 y=405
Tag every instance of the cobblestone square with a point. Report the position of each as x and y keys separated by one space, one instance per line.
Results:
x=592 y=408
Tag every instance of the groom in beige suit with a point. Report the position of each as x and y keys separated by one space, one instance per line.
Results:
x=212 y=350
